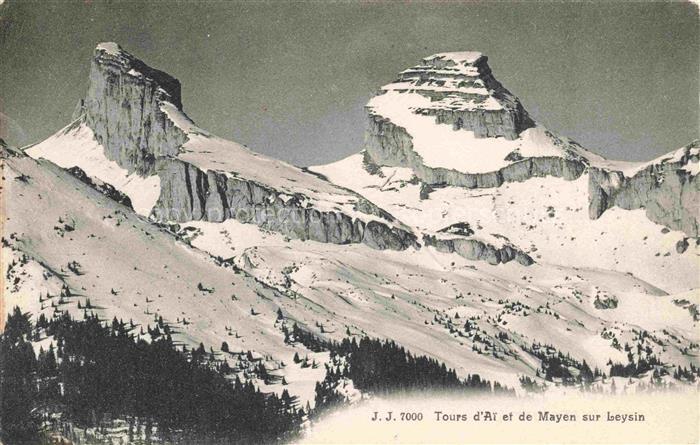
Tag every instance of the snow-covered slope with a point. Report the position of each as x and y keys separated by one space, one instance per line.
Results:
x=484 y=318
x=462 y=232
x=75 y=146
x=546 y=217
x=65 y=243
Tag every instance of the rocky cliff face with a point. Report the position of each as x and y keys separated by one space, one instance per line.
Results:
x=410 y=122
x=464 y=94
x=391 y=145
x=188 y=193
x=135 y=113
x=668 y=189
x=123 y=108
x=452 y=123
x=106 y=189
x=479 y=250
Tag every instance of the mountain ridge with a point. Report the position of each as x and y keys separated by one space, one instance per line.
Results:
x=460 y=108
x=191 y=174
x=493 y=280
x=453 y=124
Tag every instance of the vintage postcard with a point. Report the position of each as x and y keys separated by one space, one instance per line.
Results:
x=356 y=222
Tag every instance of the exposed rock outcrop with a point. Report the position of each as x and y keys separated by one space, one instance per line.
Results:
x=7 y=151
x=668 y=189
x=106 y=189
x=460 y=228
x=188 y=193
x=479 y=250
x=464 y=94
x=123 y=108
x=392 y=145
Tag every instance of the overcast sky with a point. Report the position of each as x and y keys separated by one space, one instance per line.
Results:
x=290 y=80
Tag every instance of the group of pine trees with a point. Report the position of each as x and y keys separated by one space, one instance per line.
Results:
x=558 y=366
x=635 y=368
x=306 y=338
x=687 y=374
x=18 y=390
x=383 y=367
x=99 y=372
x=569 y=371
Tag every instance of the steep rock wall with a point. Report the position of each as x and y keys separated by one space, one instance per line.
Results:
x=389 y=144
x=484 y=123
x=188 y=194
x=123 y=108
x=667 y=191
x=460 y=85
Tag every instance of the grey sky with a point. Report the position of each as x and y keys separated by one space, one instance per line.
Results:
x=290 y=80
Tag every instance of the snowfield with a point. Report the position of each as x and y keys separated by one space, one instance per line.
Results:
x=75 y=145
x=419 y=298
x=66 y=243
x=547 y=217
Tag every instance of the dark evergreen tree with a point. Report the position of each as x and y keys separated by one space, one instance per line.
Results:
x=105 y=370
x=18 y=392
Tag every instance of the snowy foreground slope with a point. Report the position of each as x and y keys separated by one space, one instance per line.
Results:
x=65 y=243
x=464 y=231
x=131 y=269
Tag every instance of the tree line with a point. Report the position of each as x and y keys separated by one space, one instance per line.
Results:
x=99 y=372
x=382 y=367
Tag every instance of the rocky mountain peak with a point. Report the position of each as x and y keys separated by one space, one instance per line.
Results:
x=464 y=58
x=462 y=92
x=172 y=170
x=110 y=59
x=124 y=108
x=453 y=123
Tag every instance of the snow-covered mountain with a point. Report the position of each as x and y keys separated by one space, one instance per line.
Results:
x=131 y=132
x=452 y=123
x=463 y=230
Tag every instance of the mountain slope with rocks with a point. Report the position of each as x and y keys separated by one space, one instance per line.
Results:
x=68 y=248
x=452 y=123
x=667 y=188
x=464 y=231
x=130 y=131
